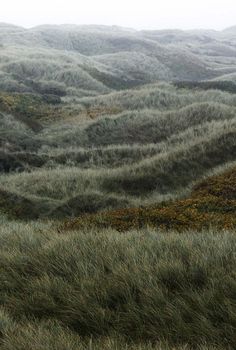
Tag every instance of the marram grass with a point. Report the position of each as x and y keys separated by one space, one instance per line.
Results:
x=140 y=290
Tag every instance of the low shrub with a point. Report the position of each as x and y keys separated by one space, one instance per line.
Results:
x=212 y=203
x=17 y=206
x=224 y=85
x=87 y=203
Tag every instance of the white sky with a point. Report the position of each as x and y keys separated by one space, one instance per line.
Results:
x=140 y=14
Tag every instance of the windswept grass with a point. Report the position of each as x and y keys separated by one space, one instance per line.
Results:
x=149 y=126
x=171 y=168
x=140 y=286
x=112 y=234
x=175 y=169
x=50 y=335
x=156 y=97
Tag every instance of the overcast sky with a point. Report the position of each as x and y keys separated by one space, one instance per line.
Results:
x=140 y=14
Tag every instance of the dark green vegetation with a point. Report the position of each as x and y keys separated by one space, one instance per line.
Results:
x=228 y=86
x=111 y=142
x=140 y=287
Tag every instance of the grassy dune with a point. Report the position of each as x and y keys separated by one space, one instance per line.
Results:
x=126 y=159
x=175 y=169
x=117 y=189
x=212 y=203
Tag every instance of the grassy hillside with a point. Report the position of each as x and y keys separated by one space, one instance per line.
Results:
x=117 y=189
x=97 y=59
x=212 y=203
x=152 y=143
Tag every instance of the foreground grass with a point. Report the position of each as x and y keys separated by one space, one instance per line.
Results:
x=143 y=287
x=50 y=335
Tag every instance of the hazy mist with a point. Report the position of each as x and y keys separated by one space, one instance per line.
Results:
x=148 y=14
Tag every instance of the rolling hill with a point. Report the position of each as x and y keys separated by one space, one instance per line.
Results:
x=117 y=188
x=99 y=58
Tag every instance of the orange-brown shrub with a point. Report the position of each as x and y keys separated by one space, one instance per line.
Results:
x=96 y=112
x=211 y=204
x=28 y=106
x=223 y=186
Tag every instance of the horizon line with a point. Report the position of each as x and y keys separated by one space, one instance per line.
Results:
x=116 y=26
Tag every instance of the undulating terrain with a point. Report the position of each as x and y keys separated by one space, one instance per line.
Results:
x=117 y=188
